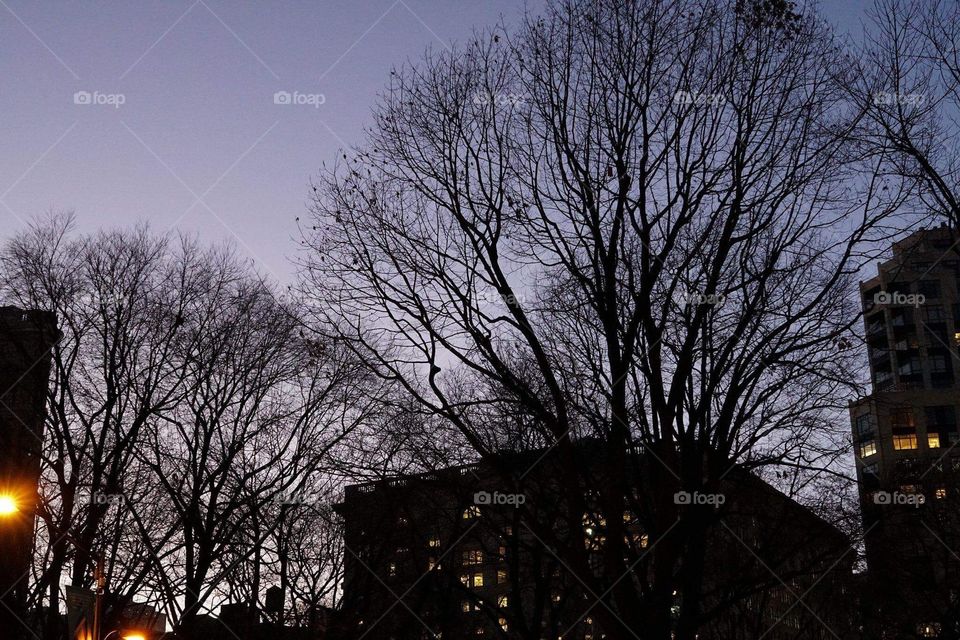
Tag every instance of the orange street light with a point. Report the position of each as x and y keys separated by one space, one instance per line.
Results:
x=8 y=505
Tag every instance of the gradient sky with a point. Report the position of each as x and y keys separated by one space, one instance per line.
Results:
x=198 y=143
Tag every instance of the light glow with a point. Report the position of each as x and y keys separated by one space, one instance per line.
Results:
x=8 y=505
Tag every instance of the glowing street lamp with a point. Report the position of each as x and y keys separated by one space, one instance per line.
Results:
x=126 y=635
x=8 y=505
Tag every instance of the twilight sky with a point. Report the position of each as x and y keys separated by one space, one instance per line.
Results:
x=165 y=111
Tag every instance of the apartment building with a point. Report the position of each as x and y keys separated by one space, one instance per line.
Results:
x=457 y=554
x=905 y=435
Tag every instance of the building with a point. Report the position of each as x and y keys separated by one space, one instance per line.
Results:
x=449 y=554
x=26 y=338
x=905 y=436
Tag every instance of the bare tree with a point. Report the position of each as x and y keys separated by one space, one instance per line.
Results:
x=636 y=223
x=185 y=405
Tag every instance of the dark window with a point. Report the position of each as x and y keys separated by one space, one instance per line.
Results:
x=929 y=288
x=864 y=426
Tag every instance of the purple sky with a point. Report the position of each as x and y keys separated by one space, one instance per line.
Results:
x=198 y=143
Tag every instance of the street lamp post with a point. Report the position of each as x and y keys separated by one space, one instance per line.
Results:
x=9 y=506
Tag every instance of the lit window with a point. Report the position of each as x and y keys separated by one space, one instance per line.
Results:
x=502 y=602
x=431 y=563
x=933 y=440
x=433 y=542
x=472 y=557
x=465 y=579
x=465 y=606
x=941 y=493
x=644 y=541
x=470 y=512
x=867 y=448
x=479 y=631
x=501 y=576
x=905 y=441
x=393 y=569
x=478 y=579
x=503 y=624
x=555 y=596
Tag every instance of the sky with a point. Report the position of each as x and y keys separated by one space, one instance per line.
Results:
x=207 y=116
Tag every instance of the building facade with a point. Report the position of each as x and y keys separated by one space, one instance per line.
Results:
x=456 y=554
x=26 y=338
x=905 y=436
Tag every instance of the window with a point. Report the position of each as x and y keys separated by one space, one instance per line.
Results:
x=934 y=313
x=502 y=602
x=933 y=440
x=871 y=469
x=434 y=542
x=909 y=366
x=465 y=579
x=501 y=576
x=863 y=424
x=472 y=557
x=478 y=579
x=392 y=569
x=939 y=363
x=867 y=449
x=902 y=418
x=466 y=607
x=471 y=512
x=503 y=624
x=940 y=493
x=904 y=442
